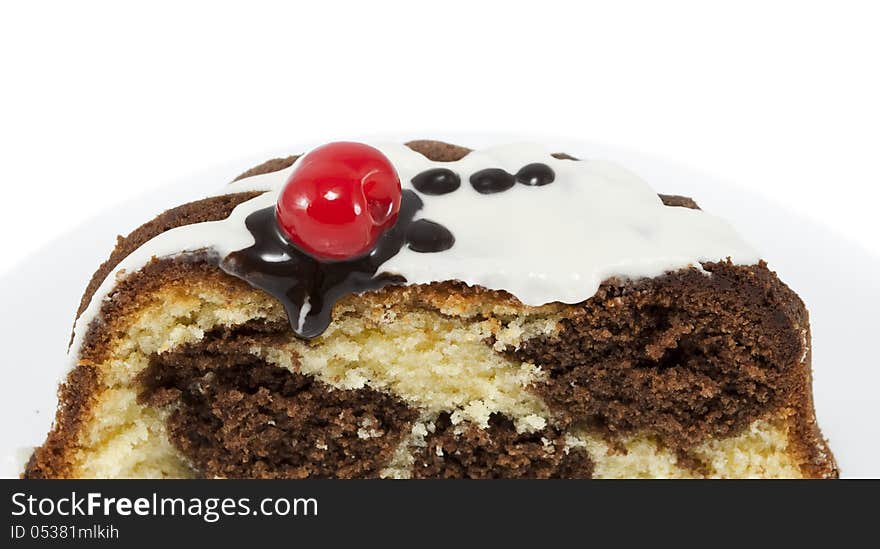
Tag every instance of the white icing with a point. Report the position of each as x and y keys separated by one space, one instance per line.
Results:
x=556 y=242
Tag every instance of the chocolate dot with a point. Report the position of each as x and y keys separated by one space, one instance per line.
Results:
x=436 y=181
x=536 y=175
x=427 y=237
x=492 y=181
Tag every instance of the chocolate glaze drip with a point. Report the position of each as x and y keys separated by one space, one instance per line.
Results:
x=427 y=236
x=536 y=175
x=308 y=287
x=436 y=181
x=492 y=180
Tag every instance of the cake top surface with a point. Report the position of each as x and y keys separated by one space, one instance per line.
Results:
x=512 y=218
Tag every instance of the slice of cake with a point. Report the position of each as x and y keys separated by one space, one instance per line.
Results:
x=426 y=311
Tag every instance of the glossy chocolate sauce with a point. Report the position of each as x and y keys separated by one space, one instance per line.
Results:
x=492 y=180
x=308 y=287
x=436 y=181
x=427 y=236
x=535 y=175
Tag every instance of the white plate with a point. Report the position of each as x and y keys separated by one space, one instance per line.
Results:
x=839 y=282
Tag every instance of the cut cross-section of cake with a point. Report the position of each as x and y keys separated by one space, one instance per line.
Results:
x=427 y=311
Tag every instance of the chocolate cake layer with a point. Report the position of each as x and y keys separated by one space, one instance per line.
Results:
x=235 y=416
x=498 y=452
x=684 y=356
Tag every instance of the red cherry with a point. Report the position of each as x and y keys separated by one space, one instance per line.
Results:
x=339 y=200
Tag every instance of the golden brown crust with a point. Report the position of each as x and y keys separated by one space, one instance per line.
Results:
x=437 y=150
x=679 y=201
x=807 y=439
x=269 y=166
x=209 y=209
x=76 y=397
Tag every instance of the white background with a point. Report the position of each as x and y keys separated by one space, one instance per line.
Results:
x=103 y=101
